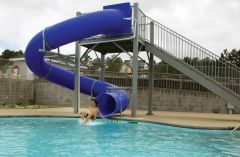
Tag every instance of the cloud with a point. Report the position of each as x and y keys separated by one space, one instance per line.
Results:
x=211 y=23
x=214 y=24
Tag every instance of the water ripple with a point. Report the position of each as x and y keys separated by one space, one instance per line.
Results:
x=38 y=137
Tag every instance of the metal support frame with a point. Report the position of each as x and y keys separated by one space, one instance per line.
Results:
x=148 y=56
x=135 y=66
x=101 y=72
x=122 y=49
x=115 y=56
x=161 y=50
x=68 y=60
x=87 y=52
x=51 y=54
x=77 y=76
x=151 y=72
x=99 y=60
x=77 y=79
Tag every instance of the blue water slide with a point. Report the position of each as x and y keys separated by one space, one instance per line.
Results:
x=111 y=21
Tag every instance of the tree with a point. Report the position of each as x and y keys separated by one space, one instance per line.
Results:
x=114 y=63
x=94 y=66
x=232 y=57
x=163 y=67
x=160 y=67
x=6 y=54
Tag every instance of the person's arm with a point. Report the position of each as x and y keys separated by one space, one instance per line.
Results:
x=86 y=120
x=101 y=114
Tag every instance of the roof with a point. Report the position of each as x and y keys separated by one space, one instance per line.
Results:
x=54 y=61
x=17 y=59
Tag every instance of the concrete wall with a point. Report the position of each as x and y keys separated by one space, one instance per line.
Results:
x=43 y=92
x=175 y=100
x=52 y=94
x=163 y=99
x=16 y=91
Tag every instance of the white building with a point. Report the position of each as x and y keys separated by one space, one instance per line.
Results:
x=141 y=64
x=126 y=68
x=19 y=69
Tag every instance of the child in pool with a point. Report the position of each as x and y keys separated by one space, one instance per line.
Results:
x=93 y=112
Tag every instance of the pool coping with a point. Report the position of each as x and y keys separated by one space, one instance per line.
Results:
x=124 y=119
x=194 y=120
x=179 y=125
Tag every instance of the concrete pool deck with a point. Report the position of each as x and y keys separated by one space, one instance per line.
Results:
x=182 y=119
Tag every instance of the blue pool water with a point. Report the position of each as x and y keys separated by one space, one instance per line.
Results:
x=49 y=137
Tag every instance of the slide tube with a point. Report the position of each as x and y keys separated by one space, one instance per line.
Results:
x=110 y=21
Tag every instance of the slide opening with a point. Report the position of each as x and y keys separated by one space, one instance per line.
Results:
x=107 y=104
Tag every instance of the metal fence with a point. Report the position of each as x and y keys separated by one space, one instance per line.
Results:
x=161 y=80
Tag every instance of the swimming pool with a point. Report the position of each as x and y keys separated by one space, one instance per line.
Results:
x=48 y=137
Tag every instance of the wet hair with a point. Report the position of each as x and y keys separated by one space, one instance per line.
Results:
x=94 y=100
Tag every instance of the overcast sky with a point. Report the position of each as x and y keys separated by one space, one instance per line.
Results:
x=214 y=24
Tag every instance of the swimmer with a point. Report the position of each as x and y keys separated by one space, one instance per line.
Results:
x=93 y=112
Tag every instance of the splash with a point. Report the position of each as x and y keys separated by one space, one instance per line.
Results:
x=90 y=123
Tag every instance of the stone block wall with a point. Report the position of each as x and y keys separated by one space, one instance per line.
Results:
x=52 y=94
x=44 y=92
x=190 y=101
x=14 y=91
x=163 y=99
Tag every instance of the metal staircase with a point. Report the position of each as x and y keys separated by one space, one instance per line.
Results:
x=198 y=63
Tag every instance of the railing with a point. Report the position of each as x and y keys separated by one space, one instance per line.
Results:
x=193 y=54
x=161 y=80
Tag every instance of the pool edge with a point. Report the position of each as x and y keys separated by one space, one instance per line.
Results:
x=125 y=119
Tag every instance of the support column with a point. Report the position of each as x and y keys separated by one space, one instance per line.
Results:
x=77 y=76
x=101 y=72
x=134 y=99
x=151 y=72
x=77 y=79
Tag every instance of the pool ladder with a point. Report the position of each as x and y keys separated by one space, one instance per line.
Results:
x=237 y=127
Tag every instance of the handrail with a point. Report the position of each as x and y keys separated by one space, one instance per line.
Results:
x=184 y=38
x=180 y=36
x=190 y=52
